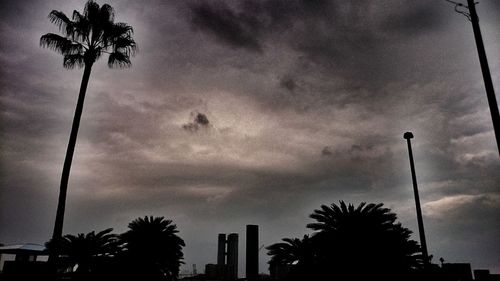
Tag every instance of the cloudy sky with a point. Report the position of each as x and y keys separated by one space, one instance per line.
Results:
x=256 y=112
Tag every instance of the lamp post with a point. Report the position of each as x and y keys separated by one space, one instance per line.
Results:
x=471 y=15
x=408 y=136
x=488 y=83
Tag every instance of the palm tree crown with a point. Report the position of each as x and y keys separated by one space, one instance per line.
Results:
x=366 y=236
x=153 y=246
x=87 y=36
x=340 y=218
x=357 y=243
x=88 y=252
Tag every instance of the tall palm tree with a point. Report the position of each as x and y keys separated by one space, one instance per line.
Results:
x=154 y=249
x=89 y=253
x=84 y=39
x=364 y=240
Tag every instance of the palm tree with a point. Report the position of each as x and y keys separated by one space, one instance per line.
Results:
x=350 y=243
x=290 y=251
x=294 y=254
x=84 y=39
x=364 y=240
x=153 y=248
x=88 y=253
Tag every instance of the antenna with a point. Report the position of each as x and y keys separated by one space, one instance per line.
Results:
x=261 y=246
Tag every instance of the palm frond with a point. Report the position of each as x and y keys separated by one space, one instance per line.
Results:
x=91 y=10
x=107 y=13
x=119 y=38
x=121 y=28
x=56 y=42
x=82 y=27
x=62 y=21
x=125 y=45
x=119 y=59
x=291 y=251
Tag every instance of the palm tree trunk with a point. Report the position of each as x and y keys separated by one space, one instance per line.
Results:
x=61 y=205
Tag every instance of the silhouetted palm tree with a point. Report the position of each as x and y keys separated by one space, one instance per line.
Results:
x=296 y=254
x=153 y=249
x=350 y=243
x=87 y=253
x=84 y=39
x=364 y=241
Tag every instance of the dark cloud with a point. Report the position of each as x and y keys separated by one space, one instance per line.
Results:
x=415 y=18
x=246 y=24
x=306 y=102
x=288 y=83
x=226 y=25
x=315 y=27
x=357 y=150
x=326 y=151
x=200 y=121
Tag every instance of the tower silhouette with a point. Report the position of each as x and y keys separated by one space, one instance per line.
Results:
x=252 y=252
x=227 y=257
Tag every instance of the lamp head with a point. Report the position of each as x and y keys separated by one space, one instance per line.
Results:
x=408 y=135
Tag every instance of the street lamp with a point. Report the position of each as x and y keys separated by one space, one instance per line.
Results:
x=408 y=136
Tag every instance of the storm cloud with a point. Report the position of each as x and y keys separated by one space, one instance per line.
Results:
x=255 y=112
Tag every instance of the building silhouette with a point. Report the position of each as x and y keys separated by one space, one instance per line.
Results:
x=232 y=256
x=252 y=252
x=227 y=256
x=457 y=271
x=485 y=275
x=227 y=259
x=221 y=249
x=25 y=264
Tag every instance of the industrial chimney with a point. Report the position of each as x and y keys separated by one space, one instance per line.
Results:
x=252 y=254
x=232 y=256
x=221 y=250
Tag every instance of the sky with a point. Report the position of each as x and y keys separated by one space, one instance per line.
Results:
x=256 y=112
